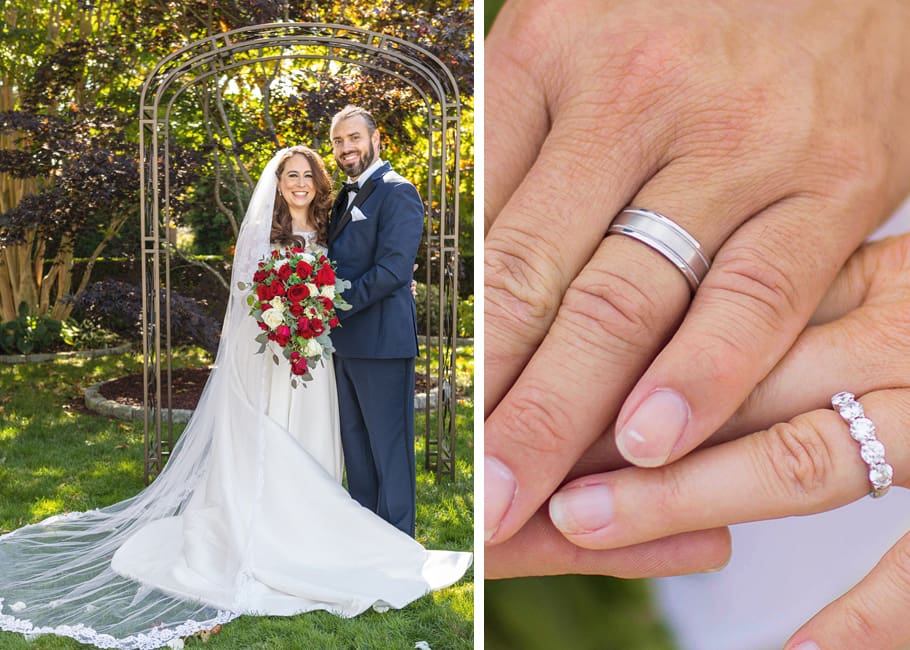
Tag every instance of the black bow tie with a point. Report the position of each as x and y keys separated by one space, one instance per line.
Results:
x=351 y=187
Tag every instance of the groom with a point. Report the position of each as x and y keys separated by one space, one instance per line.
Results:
x=376 y=228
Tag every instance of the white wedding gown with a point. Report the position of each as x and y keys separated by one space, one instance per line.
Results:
x=783 y=571
x=248 y=517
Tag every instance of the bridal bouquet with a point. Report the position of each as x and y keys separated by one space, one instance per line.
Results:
x=294 y=295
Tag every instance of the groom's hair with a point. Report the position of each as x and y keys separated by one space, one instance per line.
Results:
x=351 y=111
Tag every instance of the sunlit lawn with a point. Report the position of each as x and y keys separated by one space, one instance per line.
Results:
x=55 y=457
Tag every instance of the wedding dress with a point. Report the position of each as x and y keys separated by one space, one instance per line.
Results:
x=248 y=517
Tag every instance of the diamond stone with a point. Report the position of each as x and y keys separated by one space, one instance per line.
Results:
x=881 y=475
x=842 y=398
x=850 y=410
x=873 y=452
x=862 y=429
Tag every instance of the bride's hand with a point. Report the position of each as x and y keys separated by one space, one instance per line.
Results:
x=804 y=461
x=775 y=133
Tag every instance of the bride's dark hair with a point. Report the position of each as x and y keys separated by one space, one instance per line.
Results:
x=321 y=207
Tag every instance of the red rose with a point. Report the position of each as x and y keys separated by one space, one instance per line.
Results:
x=296 y=309
x=262 y=326
x=265 y=305
x=297 y=292
x=326 y=275
x=303 y=270
x=263 y=293
x=276 y=289
x=282 y=335
x=317 y=326
x=303 y=328
x=296 y=250
x=275 y=254
x=327 y=303
x=260 y=275
x=334 y=322
x=299 y=367
x=285 y=272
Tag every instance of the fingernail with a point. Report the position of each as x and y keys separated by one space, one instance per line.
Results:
x=499 y=489
x=582 y=509
x=807 y=645
x=654 y=428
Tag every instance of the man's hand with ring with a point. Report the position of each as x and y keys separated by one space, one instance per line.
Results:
x=773 y=133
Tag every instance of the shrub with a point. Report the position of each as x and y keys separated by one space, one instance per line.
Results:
x=466 y=317
x=465 y=312
x=117 y=306
x=27 y=334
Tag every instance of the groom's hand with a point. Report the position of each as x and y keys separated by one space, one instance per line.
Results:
x=538 y=549
x=772 y=132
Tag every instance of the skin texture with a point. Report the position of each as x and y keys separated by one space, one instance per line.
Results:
x=775 y=132
x=804 y=461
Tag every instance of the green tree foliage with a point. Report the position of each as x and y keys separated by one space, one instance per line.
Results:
x=70 y=76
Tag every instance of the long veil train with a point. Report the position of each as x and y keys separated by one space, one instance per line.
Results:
x=56 y=576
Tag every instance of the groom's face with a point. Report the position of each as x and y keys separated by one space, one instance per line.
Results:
x=354 y=146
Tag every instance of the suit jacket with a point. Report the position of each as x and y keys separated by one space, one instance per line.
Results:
x=374 y=247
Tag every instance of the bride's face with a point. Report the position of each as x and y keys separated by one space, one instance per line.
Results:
x=296 y=182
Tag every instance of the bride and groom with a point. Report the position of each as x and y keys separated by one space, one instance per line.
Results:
x=250 y=516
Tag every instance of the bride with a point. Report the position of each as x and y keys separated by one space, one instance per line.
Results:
x=249 y=516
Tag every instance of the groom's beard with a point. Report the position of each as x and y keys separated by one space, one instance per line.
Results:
x=355 y=168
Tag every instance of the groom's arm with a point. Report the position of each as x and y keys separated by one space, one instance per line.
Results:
x=398 y=237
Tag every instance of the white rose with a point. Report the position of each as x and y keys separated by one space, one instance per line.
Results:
x=308 y=258
x=277 y=304
x=313 y=348
x=313 y=289
x=328 y=291
x=273 y=318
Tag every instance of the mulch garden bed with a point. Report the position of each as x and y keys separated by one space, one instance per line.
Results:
x=186 y=387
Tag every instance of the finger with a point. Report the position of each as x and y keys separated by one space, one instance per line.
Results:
x=604 y=126
x=756 y=299
x=615 y=316
x=808 y=465
x=539 y=549
x=872 y=615
x=868 y=303
x=515 y=115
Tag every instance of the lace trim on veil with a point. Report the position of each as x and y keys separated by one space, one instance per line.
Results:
x=84 y=634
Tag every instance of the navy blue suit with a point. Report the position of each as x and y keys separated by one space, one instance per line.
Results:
x=374 y=247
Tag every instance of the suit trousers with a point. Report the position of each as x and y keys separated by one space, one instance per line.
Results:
x=376 y=405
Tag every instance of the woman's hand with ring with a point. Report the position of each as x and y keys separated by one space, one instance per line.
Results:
x=806 y=460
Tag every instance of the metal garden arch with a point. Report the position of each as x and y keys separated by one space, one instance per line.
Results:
x=220 y=54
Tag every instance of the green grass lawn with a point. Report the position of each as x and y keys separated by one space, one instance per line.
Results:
x=57 y=457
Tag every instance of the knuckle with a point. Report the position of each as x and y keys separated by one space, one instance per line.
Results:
x=800 y=460
x=608 y=312
x=537 y=420
x=751 y=278
x=858 y=623
x=517 y=289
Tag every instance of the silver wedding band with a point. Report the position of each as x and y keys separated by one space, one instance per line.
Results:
x=666 y=237
x=871 y=449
